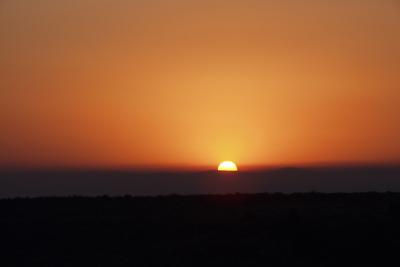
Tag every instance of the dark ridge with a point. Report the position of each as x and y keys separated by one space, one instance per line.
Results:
x=33 y=183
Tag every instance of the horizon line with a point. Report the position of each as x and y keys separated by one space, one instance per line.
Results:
x=176 y=168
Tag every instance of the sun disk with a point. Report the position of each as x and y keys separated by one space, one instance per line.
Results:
x=228 y=166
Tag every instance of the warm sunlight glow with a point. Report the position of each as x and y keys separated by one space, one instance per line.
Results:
x=228 y=166
x=187 y=84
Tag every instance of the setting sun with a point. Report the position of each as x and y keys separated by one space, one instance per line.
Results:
x=227 y=166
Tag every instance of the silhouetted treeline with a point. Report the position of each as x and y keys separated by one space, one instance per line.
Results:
x=307 y=229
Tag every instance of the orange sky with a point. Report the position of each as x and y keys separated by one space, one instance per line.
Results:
x=96 y=83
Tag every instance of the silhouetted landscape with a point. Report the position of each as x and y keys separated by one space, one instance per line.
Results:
x=132 y=218
x=300 y=229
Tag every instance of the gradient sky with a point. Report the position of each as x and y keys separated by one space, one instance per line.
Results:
x=96 y=83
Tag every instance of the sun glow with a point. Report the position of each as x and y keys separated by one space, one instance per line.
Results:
x=228 y=166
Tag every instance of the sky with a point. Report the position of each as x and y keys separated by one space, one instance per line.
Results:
x=187 y=84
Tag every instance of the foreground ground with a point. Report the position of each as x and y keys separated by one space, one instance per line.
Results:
x=215 y=230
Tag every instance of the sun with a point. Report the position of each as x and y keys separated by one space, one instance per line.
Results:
x=227 y=166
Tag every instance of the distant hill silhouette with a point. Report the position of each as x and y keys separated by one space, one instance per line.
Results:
x=15 y=183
